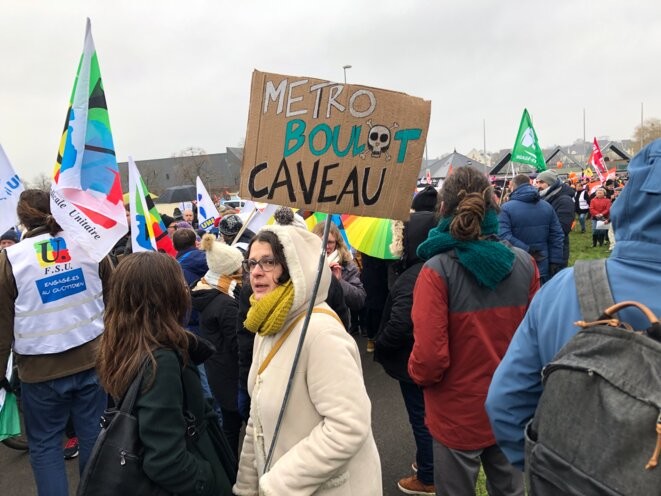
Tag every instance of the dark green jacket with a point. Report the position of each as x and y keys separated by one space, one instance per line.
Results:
x=178 y=466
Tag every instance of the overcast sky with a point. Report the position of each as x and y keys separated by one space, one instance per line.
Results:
x=177 y=74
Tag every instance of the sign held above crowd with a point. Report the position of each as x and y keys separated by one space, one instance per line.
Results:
x=329 y=147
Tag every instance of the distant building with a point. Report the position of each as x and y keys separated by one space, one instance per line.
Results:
x=437 y=170
x=219 y=172
x=567 y=159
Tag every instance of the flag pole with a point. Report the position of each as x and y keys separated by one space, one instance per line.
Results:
x=244 y=226
x=299 y=348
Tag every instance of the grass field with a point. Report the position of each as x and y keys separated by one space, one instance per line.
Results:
x=580 y=247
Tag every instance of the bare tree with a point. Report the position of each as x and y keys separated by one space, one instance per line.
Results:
x=41 y=181
x=192 y=162
x=646 y=133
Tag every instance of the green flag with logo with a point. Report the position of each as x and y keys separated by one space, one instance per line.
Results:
x=526 y=147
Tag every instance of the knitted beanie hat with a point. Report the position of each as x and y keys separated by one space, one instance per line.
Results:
x=230 y=225
x=222 y=259
x=548 y=176
x=10 y=235
x=425 y=200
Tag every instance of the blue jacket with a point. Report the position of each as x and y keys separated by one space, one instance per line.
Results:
x=634 y=273
x=194 y=264
x=532 y=225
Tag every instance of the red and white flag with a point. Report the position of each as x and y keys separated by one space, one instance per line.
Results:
x=596 y=160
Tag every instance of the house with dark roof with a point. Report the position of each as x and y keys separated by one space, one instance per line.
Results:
x=220 y=172
x=439 y=169
x=566 y=159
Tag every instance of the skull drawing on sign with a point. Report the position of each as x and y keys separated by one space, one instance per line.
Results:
x=378 y=140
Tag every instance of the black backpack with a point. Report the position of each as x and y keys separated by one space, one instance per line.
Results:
x=597 y=428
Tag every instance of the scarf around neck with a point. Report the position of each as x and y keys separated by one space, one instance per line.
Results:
x=267 y=315
x=488 y=260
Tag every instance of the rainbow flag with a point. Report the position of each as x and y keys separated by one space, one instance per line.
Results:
x=148 y=232
x=86 y=194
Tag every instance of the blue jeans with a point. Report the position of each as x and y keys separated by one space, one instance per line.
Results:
x=581 y=220
x=415 y=406
x=46 y=409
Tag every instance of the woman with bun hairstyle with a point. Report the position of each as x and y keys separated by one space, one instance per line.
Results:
x=51 y=314
x=469 y=298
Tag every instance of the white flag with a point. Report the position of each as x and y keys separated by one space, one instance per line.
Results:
x=255 y=214
x=206 y=210
x=10 y=189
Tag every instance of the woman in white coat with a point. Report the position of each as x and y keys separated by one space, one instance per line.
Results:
x=325 y=445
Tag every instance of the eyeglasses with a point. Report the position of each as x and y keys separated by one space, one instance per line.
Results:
x=266 y=264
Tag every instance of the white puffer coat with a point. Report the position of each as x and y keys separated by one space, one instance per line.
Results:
x=325 y=445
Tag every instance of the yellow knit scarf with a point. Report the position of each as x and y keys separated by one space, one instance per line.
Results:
x=267 y=315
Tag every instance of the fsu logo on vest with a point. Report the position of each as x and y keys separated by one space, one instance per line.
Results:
x=62 y=280
x=52 y=251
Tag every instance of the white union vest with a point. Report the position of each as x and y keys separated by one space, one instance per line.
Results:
x=60 y=299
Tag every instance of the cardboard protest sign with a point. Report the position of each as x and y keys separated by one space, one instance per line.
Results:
x=329 y=147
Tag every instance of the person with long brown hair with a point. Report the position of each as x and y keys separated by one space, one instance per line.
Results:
x=147 y=305
x=51 y=314
x=469 y=298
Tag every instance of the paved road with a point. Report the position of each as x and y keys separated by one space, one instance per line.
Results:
x=389 y=422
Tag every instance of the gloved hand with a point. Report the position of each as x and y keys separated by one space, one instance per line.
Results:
x=536 y=254
x=244 y=404
x=4 y=383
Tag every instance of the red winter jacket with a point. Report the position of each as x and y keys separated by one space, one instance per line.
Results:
x=461 y=332
x=600 y=206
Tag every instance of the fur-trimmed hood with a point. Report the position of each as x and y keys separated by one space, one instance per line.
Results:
x=302 y=251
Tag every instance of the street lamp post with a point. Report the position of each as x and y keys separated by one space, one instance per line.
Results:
x=345 y=67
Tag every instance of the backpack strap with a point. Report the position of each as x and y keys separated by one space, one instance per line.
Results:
x=128 y=401
x=592 y=287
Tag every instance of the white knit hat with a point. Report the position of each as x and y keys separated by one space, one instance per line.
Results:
x=222 y=259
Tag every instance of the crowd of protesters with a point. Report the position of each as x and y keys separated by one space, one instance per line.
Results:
x=215 y=330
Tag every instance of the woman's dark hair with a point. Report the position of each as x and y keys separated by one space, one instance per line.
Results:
x=146 y=307
x=33 y=210
x=278 y=251
x=467 y=195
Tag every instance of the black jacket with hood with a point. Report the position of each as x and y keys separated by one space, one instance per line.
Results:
x=394 y=340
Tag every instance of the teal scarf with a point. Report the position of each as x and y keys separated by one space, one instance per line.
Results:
x=489 y=261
